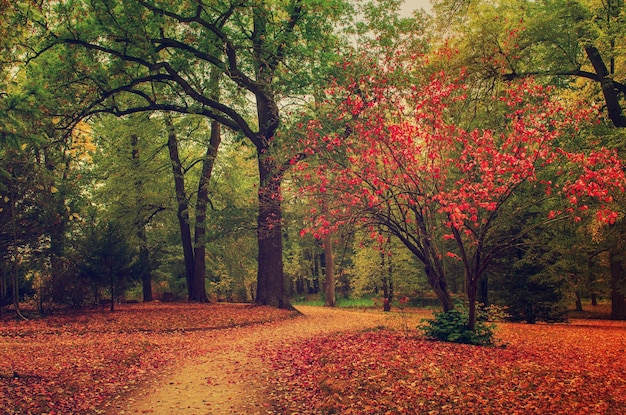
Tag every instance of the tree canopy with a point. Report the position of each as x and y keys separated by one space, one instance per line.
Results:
x=456 y=137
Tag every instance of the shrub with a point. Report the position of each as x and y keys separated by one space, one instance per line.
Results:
x=451 y=326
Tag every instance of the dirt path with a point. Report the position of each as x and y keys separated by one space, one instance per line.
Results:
x=229 y=380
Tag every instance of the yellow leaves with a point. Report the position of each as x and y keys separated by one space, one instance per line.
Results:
x=82 y=142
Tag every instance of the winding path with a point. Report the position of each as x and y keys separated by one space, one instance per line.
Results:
x=230 y=380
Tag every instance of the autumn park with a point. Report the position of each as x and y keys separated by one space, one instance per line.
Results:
x=319 y=207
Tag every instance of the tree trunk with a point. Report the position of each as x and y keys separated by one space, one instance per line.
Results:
x=199 y=276
x=439 y=286
x=614 y=109
x=471 y=290
x=270 y=278
x=433 y=267
x=329 y=284
x=386 y=301
x=618 y=286
x=579 y=302
x=483 y=290
x=182 y=211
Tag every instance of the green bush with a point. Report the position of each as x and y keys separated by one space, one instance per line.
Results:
x=451 y=326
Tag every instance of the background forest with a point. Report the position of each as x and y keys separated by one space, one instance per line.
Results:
x=219 y=150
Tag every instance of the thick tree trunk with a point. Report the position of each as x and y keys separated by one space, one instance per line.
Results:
x=614 y=109
x=182 y=211
x=270 y=278
x=618 y=286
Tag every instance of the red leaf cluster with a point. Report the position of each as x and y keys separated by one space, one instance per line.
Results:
x=403 y=150
x=78 y=363
x=577 y=368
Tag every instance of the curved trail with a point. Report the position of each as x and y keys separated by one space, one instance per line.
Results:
x=230 y=379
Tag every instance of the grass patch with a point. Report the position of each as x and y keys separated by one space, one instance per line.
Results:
x=365 y=302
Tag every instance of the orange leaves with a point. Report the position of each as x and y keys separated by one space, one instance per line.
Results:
x=559 y=369
x=77 y=363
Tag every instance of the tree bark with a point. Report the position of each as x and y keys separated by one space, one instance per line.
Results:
x=614 y=109
x=618 y=285
x=270 y=278
x=199 y=276
x=471 y=290
x=182 y=211
x=579 y=301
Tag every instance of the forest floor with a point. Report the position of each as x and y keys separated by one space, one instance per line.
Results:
x=221 y=359
x=234 y=377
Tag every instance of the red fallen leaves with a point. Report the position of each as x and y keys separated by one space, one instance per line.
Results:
x=561 y=369
x=79 y=363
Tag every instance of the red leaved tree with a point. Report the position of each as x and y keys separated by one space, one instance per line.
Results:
x=403 y=162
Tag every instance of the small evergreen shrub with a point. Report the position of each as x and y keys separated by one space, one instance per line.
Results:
x=451 y=326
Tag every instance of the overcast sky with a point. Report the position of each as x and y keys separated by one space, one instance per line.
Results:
x=410 y=5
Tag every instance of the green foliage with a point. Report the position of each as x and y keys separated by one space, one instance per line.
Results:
x=106 y=257
x=452 y=327
x=533 y=282
x=533 y=297
x=370 y=265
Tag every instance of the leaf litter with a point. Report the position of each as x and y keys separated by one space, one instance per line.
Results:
x=220 y=359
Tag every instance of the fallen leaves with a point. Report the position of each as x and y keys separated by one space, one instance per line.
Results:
x=78 y=363
x=318 y=364
x=557 y=369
